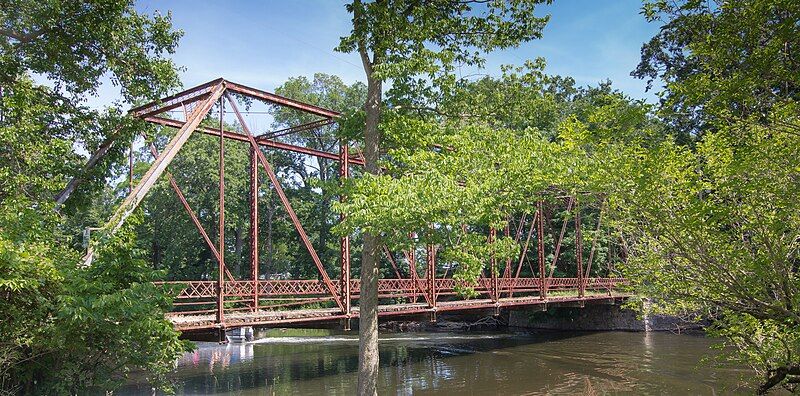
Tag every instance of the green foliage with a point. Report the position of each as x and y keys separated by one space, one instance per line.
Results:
x=409 y=39
x=70 y=330
x=450 y=181
x=74 y=44
x=722 y=61
x=714 y=230
x=713 y=233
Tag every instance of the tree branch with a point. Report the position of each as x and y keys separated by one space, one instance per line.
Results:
x=23 y=38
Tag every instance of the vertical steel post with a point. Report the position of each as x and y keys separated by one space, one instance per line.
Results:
x=507 y=270
x=493 y=265
x=412 y=266
x=540 y=248
x=523 y=254
x=254 y=224
x=579 y=245
x=344 y=173
x=221 y=248
x=431 y=258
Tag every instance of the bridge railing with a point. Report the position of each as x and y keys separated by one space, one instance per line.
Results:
x=198 y=297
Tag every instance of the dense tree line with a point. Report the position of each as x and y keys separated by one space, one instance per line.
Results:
x=701 y=188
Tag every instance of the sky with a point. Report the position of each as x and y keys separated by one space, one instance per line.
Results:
x=263 y=43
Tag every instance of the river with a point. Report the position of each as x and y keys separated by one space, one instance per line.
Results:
x=297 y=362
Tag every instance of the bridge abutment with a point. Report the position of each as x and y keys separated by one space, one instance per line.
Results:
x=596 y=317
x=239 y=335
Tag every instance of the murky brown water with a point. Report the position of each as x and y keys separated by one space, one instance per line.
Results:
x=497 y=363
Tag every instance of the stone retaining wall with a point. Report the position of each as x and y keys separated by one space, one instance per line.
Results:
x=596 y=318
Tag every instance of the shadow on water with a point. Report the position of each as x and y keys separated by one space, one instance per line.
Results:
x=473 y=363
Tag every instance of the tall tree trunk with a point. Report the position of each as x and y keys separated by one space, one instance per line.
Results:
x=368 y=301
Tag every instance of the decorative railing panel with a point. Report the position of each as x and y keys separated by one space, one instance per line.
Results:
x=290 y=288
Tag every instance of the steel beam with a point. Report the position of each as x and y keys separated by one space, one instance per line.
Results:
x=260 y=140
x=280 y=100
x=579 y=246
x=588 y=271
x=299 y=128
x=344 y=250
x=411 y=257
x=540 y=249
x=221 y=235
x=507 y=233
x=524 y=253
x=192 y=215
x=431 y=259
x=392 y=261
x=174 y=101
x=570 y=202
x=493 y=266
x=254 y=224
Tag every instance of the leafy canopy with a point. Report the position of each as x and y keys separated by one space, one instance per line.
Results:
x=721 y=61
x=69 y=330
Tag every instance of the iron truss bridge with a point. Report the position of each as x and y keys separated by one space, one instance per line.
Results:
x=227 y=302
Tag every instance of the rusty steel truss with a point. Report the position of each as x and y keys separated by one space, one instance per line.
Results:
x=228 y=302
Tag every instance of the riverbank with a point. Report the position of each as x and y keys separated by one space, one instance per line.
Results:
x=590 y=317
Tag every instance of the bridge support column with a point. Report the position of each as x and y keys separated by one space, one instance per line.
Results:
x=540 y=248
x=239 y=335
x=221 y=248
x=431 y=258
x=254 y=224
x=494 y=287
x=344 y=173
x=221 y=336
x=579 y=247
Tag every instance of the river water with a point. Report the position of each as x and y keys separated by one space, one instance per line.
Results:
x=281 y=362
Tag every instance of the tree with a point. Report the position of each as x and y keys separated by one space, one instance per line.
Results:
x=483 y=172
x=60 y=323
x=713 y=229
x=712 y=234
x=722 y=61
x=414 y=43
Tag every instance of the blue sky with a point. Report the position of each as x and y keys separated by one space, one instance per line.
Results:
x=262 y=43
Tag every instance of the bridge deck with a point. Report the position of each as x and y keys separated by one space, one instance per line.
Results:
x=270 y=317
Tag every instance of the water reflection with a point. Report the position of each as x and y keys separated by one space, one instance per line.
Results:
x=213 y=356
x=455 y=363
